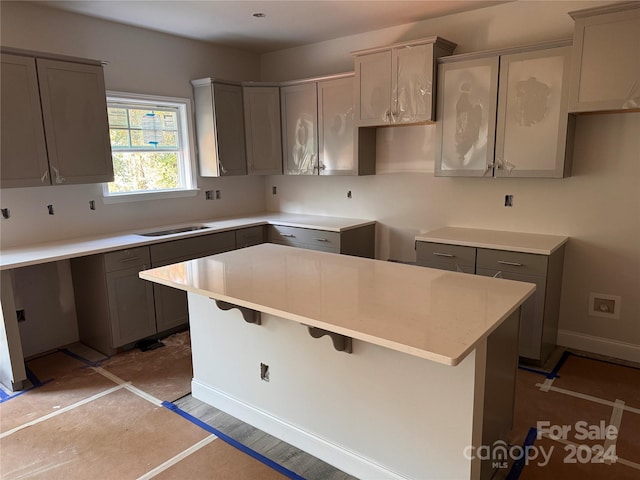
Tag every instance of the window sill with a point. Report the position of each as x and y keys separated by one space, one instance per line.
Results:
x=141 y=197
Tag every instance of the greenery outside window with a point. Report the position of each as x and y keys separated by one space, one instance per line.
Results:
x=151 y=145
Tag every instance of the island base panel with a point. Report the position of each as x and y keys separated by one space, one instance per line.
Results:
x=375 y=412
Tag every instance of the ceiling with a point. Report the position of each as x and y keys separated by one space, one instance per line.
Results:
x=285 y=24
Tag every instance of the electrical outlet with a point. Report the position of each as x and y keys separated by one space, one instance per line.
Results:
x=274 y=190
x=264 y=372
x=218 y=195
x=605 y=306
x=508 y=200
x=208 y=194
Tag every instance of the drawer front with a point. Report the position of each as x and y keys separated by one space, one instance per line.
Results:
x=526 y=263
x=131 y=257
x=436 y=255
x=305 y=237
x=246 y=237
x=193 y=247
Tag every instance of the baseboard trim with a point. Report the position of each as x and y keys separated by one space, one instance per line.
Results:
x=345 y=460
x=599 y=345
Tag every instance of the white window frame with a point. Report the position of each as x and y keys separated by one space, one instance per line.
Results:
x=187 y=143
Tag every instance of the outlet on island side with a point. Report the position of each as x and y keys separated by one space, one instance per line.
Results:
x=264 y=372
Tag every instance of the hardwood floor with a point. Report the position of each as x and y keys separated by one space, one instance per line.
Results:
x=281 y=452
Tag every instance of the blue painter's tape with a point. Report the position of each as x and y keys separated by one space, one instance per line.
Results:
x=539 y=372
x=234 y=443
x=518 y=465
x=558 y=366
x=35 y=381
x=3 y=395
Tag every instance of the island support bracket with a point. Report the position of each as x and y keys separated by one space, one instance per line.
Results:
x=249 y=315
x=341 y=343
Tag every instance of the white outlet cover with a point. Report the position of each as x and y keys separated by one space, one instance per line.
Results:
x=596 y=313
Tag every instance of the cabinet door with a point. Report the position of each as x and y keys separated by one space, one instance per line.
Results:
x=606 y=61
x=531 y=133
x=262 y=128
x=467 y=98
x=531 y=313
x=299 y=108
x=413 y=67
x=229 y=129
x=373 y=88
x=74 y=110
x=131 y=307
x=23 y=154
x=335 y=127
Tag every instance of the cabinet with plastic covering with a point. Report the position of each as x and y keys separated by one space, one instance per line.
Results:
x=396 y=84
x=519 y=129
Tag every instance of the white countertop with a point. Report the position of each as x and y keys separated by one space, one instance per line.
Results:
x=23 y=256
x=495 y=239
x=432 y=314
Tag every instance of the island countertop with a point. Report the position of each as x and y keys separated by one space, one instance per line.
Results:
x=432 y=314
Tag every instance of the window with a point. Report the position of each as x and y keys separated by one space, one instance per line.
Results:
x=151 y=145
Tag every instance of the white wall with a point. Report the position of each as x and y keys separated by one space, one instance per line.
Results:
x=598 y=207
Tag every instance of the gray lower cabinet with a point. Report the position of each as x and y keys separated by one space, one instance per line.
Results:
x=170 y=303
x=114 y=306
x=359 y=241
x=246 y=237
x=446 y=257
x=539 y=314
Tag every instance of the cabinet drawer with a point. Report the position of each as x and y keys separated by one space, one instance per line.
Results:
x=246 y=237
x=131 y=257
x=193 y=247
x=295 y=236
x=438 y=255
x=527 y=263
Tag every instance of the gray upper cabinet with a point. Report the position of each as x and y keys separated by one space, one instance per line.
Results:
x=335 y=127
x=67 y=98
x=299 y=109
x=520 y=129
x=219 y=128
x=24 y=153
x=396 y=84
x=467 y=105
x=606 y=59
x=262 y=129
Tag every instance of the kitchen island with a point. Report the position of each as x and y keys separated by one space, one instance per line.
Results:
x=382 y=369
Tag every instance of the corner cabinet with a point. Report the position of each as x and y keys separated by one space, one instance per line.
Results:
x=262 y=129
x=55 y=129
x=219 y=128
x=606 y=59
x=525 y=117
x=396 y=84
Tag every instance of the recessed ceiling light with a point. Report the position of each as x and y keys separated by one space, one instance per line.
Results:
x=260 y=15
